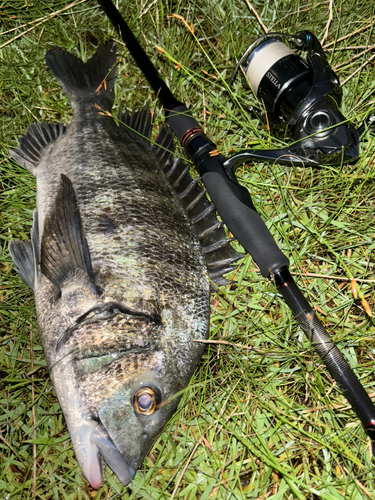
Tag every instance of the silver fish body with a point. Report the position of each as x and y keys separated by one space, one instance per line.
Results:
x=119 y=276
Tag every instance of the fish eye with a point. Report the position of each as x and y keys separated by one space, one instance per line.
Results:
x=145 y=401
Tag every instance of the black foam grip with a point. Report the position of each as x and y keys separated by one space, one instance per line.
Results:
x=245 y=224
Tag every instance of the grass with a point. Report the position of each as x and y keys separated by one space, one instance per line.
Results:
x=262 y=418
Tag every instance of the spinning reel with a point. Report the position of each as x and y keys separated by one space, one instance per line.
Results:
x=303 y=95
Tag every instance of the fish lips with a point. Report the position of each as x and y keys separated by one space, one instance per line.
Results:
x=105 y=447
x=119 y=428
x=92 y=444
x=90 y=439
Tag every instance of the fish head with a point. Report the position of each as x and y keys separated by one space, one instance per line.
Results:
x=119 y=387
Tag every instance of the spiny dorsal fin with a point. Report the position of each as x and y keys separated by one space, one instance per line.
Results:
x=216 y=247
x=94 y=78
x=38 y=136
x=23 y=257
x=64 y=248
x=139 y=121
x=164 y=146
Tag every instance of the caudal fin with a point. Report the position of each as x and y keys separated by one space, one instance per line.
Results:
x=80 y=80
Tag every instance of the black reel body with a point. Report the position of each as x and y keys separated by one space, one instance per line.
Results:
x=303 y=95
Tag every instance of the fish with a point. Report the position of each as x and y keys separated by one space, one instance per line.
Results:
x=123 y=252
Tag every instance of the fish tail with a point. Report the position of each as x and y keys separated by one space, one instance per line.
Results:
x=93 y=80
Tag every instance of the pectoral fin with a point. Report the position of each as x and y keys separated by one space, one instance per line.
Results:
x=64 y=247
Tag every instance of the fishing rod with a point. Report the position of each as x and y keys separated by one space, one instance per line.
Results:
x=234 y=205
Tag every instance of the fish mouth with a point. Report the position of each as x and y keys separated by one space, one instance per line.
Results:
x=98 y=446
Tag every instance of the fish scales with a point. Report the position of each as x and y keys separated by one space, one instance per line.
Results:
x=141 y=215
x=118 y=273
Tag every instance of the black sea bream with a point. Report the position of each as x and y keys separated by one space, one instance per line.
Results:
x=116 y=262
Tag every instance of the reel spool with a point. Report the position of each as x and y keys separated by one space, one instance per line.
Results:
x=278 y=76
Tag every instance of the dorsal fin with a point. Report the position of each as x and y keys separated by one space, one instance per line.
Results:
x=64 y=248
x=216 y=246
x=38 y=136
x=139 y=121
x=164 y=146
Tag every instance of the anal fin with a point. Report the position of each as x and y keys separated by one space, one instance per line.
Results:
x=38 y=136
x=35 y=240
x=64 y=248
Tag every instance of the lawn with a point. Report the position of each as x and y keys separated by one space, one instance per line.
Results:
x=262 y=418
